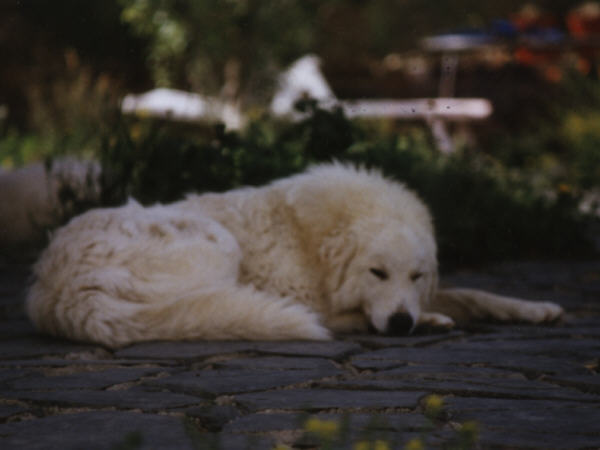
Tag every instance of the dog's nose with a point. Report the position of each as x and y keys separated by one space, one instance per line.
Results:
x=400 y=324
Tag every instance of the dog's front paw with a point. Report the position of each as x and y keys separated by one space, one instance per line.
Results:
x=435 y=320
x=538 y=312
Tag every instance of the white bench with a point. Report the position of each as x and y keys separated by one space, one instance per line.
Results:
x=436 y=112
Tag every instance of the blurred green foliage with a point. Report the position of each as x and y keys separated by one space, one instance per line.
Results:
x=221 y=47
x=560 y=146
x=483 y=211
x=69 y=63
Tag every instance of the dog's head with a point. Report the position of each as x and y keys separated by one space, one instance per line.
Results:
x=376 y=242
x=389 y=277
x=398 y=272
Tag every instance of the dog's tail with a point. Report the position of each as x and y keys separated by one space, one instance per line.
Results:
x=219 y=313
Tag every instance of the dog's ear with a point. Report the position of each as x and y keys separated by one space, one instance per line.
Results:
x=336 y=253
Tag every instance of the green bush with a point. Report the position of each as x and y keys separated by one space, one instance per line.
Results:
x=483 y=212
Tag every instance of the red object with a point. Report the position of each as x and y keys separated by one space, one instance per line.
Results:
x=583 y=26
x=531 y=18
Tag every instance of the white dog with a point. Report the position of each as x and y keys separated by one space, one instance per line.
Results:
x=336 y=249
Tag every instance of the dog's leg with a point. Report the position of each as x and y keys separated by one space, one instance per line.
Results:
x=463 y=305
x=435 y=320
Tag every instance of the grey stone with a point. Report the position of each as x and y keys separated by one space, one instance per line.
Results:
x=336 y=350
x=549 y=420
x=265 y=422
x=213 y=417
x=97 y=430
x=319 y=399
x=549 y=347
x=394 y=440
x=224 y=441
x=219 y=382
x=479 y=404
x=203 y=349
x=124 y=399
x=183 y=350
x=521 y=332
x=500 y=354
x=36 y=346
x=445 y=372
x=16 y=329
x=530 y=423
x=507 y=388
x=378 y=341
x=517 y=368
x=52 y=362
x=276 y=362
x=585 y=383
x=83 y=380
x=396 y=356
x=10 y=410
x=535 y=366
x=492 y=438
x=7 y=375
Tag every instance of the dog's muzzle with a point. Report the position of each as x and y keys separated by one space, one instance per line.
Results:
x=400 y=324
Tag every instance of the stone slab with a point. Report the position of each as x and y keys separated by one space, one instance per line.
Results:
x=182 y=350
x=530 y=423
x=518 y=439
x=419 y=340
x=320 y=399
x=547 y=347
x=503 y=355
x=195 y=350
x=265 y=422
x=6 y=375
x=396 y=356
x=220 y=382
x=123 y=399
x=585 y=383
x=213 y=417
x=52 y=362
x=100 y=379
x=444 y=372
x=522 y=332
x=97 y=430
x=276 y=362
x=16 y=329
x=10 y=410
x=37 y=346
x=506 y=388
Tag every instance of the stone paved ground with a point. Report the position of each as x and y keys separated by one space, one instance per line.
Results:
x=525 y=386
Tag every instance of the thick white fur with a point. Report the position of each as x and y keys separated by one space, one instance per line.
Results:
x=290 y=260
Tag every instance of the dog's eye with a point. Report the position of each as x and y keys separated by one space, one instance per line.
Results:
x=379 y=273
x=414 y=276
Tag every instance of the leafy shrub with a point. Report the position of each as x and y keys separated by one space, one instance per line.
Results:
x=483 y=212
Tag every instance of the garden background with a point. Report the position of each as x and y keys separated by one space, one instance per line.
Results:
x=515 y=190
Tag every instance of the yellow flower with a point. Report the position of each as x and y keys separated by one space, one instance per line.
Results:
x=135 y=132
x=362 y=445
x=414 y=444
x=381 y=445
x=564 y=188
x=469 y=431
x=433 y=405
x=326 y=429
x=366 y=445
